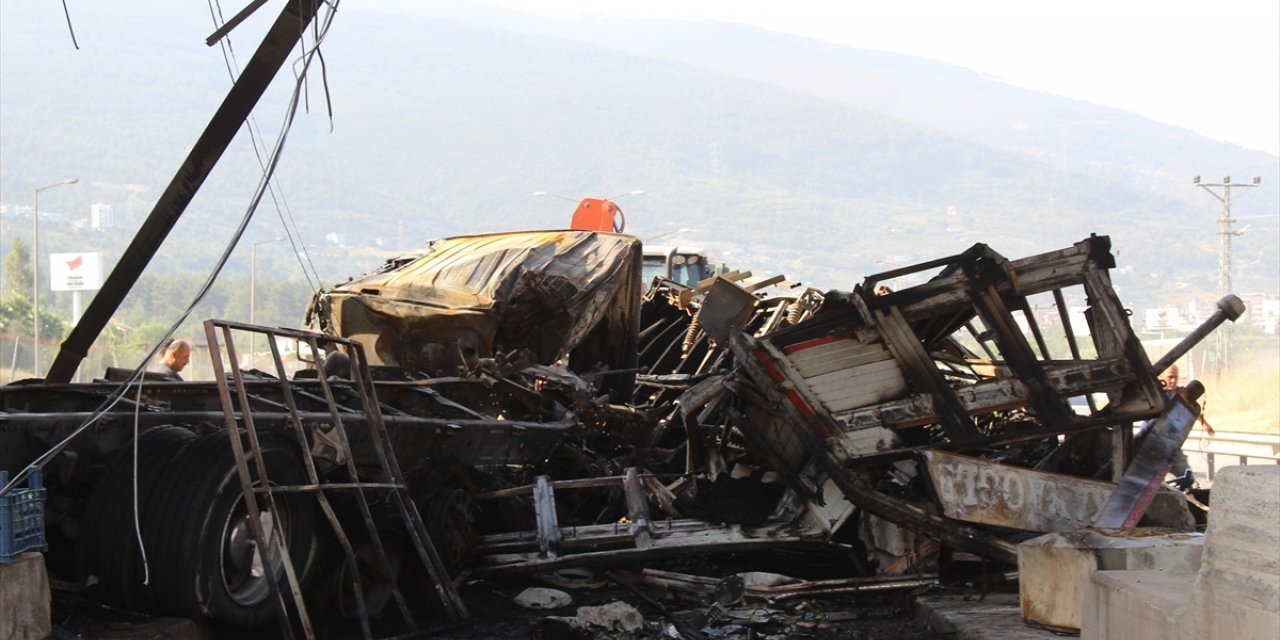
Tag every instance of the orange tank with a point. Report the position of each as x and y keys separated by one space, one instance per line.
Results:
x=598 y=214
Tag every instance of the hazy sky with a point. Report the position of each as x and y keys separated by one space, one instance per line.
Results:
x=1213 y=68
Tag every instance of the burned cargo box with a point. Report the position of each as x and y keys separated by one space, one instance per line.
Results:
x=546 y=294
x=860 y=395
x=964 y=360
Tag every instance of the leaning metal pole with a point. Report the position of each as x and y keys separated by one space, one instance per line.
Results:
x=1230 y=307
x=222 y=128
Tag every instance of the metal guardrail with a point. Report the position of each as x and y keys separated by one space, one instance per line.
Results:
x=1233 y=448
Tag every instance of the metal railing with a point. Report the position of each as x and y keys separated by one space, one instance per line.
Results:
x=1228 y=448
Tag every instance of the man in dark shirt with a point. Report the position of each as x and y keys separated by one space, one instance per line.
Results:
x=175 y=359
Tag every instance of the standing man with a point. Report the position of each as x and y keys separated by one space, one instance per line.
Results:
x=176 y=356
x=1178 y=465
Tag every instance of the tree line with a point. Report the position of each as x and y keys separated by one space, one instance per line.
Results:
x=153 y=304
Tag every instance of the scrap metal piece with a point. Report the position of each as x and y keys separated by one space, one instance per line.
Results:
x=1230 y=307
x=1146 y=473
x=976 y=490
x=727 y=306
x=985 y=492
x=782 y=587
x=544 y=507
x=637 y=508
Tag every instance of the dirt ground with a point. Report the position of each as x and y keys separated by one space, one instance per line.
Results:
x=884 y=614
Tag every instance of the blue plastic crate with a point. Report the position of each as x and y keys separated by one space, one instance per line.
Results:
x=22 y=518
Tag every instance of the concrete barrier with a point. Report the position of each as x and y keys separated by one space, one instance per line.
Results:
x=1054 y=569
x=1236 y=593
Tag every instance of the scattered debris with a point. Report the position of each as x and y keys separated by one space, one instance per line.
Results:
x=542 y=598
x=615 y=616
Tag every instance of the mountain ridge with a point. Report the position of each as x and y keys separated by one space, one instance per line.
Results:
x=444 y=128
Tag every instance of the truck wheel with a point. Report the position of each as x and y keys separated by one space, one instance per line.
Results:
x=213 y=569
x=452 y=527
x=108 y=550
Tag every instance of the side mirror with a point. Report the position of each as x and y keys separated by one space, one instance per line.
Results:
x=305 y=353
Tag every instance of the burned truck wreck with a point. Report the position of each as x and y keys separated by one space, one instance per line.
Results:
x=511 y=403
x=544 y=295
x=521 y=402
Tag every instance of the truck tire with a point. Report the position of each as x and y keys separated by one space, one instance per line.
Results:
x=203 y=534
x=108 y=548
x=451 y=525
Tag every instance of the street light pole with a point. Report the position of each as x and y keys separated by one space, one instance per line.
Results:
x=35 y=275
x=253 y=290
x=537 y=194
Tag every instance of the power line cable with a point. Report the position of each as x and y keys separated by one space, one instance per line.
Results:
x=136 y=375
x=275 y=190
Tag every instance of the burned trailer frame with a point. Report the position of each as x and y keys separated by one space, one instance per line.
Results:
x=886 y=363
x=879 y=376
x=533 y=297
x=434 y=430
x=424 y=419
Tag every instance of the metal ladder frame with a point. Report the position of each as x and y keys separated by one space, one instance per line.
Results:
x=273 y=541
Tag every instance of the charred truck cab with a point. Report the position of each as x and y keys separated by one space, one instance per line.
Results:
x=550 y=296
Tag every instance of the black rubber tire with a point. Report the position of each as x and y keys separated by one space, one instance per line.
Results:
x=451 y=525
x=202 y=535
x=108 y=543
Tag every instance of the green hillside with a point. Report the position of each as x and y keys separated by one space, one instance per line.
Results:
x=827 y=165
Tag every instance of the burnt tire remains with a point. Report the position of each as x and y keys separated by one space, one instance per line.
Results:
x=109 y=549
x=211 y=567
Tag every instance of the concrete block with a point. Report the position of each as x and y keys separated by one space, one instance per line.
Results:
x=1236 y=593
x=25 y=612
x=1054 y=569
x=1133 y=604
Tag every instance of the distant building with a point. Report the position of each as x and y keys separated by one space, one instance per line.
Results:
x=102 y=216
x=1270 y=315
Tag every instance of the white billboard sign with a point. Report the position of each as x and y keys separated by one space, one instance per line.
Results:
x=75 y=271
x=1161 y=318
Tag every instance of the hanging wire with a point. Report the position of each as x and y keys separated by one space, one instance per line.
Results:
x=70 y=28
x=268 y=171
x=137 y=517
x=274 y=189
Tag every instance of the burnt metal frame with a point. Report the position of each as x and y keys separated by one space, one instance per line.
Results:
x=550 y=546
x=306 y=434
x=801 y=421
x=977 y=283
